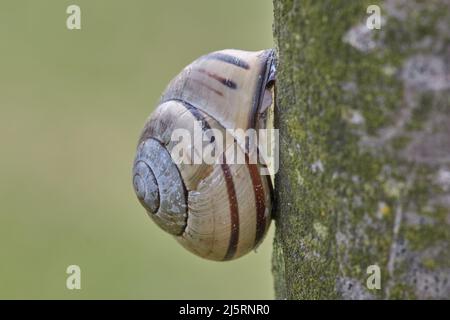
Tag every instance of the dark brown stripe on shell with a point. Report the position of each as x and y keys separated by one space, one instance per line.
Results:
x=234 y=211
x=260 y=201
x=226 y=82
x=207 y=86
x=197 y=115
x=231 y=191
x=229 y=59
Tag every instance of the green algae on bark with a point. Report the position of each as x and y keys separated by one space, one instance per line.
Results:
x=364 y=120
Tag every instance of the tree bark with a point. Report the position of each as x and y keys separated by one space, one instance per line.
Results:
x=364 y=120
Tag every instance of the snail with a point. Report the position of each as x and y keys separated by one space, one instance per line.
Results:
x=221 y=210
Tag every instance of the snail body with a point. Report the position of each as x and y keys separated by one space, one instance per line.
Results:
x=221 y=210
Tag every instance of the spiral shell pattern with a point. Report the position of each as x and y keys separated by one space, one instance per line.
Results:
x=218 y=211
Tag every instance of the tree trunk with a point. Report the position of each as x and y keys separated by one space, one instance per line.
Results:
x=364 y=177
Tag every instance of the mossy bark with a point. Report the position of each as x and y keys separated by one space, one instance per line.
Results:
x=364 y=120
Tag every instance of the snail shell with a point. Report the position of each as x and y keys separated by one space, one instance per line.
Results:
x=218 y=211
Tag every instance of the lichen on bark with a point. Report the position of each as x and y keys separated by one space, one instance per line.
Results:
x=364 y=120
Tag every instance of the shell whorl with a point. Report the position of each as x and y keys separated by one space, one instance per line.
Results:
x=218 y=211
x=159 y=187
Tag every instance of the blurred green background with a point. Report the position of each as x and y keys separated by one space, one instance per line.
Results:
x=72 y=104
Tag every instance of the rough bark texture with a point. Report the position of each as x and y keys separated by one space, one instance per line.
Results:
x=364 y=121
